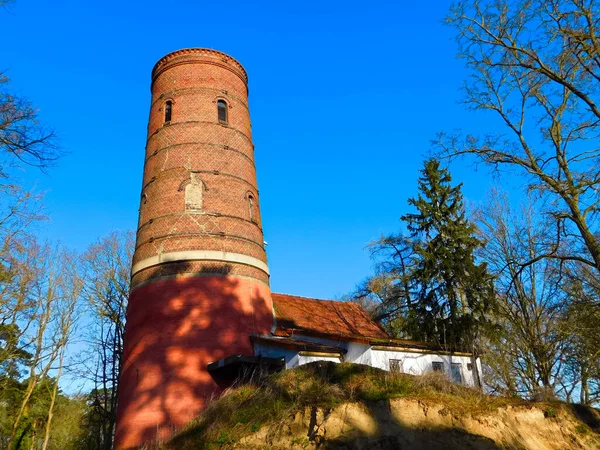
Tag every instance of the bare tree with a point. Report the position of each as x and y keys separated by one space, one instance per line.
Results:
x=50 y=290
x=107 y=266
x=390 y=291
x=535 y=64
x=23 y=140
x=38 y=288
x=66 y=319
x=579 y=326
x=527 y=348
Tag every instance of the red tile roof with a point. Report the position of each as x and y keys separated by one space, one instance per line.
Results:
x=324 y=318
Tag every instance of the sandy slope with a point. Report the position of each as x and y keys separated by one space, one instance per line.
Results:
x=413 y=424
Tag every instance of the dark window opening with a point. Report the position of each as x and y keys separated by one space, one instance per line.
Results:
x=222 y=110
x=470 y=367
x=396 y=365
x=437 y=366
x=168 y=111
x=456 y=373
x=251 y=207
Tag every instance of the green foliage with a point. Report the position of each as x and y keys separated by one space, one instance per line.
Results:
x=96 y=422
x=12 y=355
x=66 y=424
x=303 y=442
x=550 y=412
x=453 y=292
x=428 y=284
x=224 y=439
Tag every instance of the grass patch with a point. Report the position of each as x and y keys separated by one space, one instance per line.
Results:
x=245 y=409
x=550 y=412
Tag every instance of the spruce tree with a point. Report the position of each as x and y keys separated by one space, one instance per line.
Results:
x=453 y=292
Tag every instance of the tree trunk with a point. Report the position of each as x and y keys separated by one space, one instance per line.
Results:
x=476 y=377
x=584 y=395
x=53 y=400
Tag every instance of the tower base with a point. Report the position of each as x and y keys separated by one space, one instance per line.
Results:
x=175 y=328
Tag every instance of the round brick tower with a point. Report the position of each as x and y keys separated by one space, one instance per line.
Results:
x=200 y=281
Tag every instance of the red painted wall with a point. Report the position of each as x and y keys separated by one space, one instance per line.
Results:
x=175 y=327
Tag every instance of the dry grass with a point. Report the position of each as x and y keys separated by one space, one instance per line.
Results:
x=246 y=408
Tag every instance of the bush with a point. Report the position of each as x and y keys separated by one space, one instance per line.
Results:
x=550 y=412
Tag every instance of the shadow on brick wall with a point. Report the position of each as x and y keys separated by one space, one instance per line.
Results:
x=175 y=327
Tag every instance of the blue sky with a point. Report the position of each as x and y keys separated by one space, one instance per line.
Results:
x=344 y=98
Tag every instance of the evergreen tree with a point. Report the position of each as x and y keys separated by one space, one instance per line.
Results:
x=453 y=292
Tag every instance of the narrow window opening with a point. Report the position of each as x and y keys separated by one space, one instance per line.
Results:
x=251 y=207
x=396 y=365
x=168 y=111
x=222 y=110
x=437 y=366
x=456 y=373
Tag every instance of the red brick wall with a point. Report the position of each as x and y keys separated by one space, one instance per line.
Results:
x=184 y=314
x=195 y=140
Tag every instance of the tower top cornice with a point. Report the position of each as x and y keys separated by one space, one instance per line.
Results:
x=199 y=55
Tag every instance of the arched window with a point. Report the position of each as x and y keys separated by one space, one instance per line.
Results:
x=251 y=207
x=222 y=110
x=168 y=111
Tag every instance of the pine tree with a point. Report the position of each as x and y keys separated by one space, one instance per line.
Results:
x=453 y=292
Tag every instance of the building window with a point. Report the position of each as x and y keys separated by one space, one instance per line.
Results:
x=251 y=207
x=222 y=110
x=457 y=373
x=437 y=366
x=168 y=111
x=470 y=367
x=396 y=365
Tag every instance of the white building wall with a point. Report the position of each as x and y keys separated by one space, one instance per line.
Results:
x=305 y=359
x=359 y=354
x=419 y=363
x=413 y=363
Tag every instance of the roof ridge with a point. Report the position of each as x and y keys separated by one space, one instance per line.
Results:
x=316 y=299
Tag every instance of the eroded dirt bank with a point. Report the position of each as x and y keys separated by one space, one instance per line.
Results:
x=413 y=424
